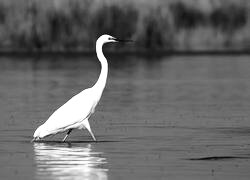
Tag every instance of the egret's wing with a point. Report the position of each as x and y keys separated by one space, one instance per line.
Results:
x=73 y=111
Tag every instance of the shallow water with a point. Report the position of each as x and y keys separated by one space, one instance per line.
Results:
x=159 y=118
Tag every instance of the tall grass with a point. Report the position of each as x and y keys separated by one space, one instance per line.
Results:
x=75 y=24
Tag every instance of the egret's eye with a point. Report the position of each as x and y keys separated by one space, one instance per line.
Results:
x=110 y=38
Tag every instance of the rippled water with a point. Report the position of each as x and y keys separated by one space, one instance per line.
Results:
x=159 y=118
x=55 y=161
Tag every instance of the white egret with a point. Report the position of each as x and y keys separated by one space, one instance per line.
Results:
x=75 y=113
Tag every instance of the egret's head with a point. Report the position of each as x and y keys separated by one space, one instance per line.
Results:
x=39 y=133
x=107 y=38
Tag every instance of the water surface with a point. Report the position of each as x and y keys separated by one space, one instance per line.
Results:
x=159 y=118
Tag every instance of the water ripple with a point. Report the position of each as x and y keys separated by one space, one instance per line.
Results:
x=68 y=162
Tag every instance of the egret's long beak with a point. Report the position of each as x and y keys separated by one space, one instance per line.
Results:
x=34 y=139
x=123 y=40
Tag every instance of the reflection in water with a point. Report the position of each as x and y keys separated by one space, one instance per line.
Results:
x=67 y=162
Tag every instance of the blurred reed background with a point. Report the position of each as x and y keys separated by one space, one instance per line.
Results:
x=66 y=25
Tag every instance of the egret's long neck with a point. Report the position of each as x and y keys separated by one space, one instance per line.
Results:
x=101 y=82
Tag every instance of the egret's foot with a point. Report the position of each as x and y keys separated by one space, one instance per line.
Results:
x=93 y=136
x=65 y=138
x=67 y=135
x=87 y=126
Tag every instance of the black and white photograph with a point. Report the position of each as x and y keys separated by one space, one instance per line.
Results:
x=124 y=89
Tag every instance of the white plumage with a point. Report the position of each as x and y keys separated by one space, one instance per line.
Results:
x=75 y=113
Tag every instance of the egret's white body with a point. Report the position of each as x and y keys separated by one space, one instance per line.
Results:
x=75 y=113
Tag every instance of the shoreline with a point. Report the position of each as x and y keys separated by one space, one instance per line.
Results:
x=143 y=53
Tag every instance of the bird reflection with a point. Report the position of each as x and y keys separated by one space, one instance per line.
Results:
x=68 y=162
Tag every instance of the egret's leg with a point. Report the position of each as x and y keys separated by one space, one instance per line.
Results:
x=87 y=126
x=67 y=135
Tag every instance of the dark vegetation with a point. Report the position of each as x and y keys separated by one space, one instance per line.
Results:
x=186 y=17
x=75 y=25
x=229 y=18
